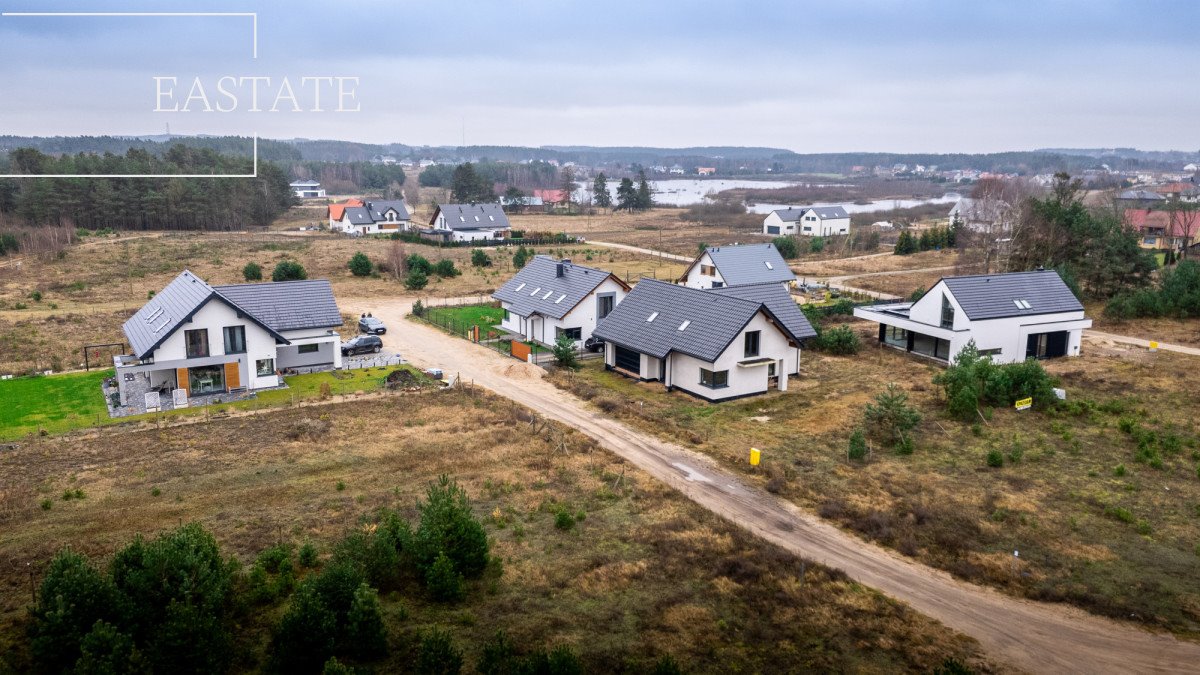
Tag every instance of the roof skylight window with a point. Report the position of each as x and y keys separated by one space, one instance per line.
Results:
x=685 y=324
x=1022 y=304
x=536 y=291
x=653 y=316
x=520 y=287
x=768 y=264
x=547 y=295
x=560 y=298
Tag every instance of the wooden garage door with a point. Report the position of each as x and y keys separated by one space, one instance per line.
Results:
x=627 y=359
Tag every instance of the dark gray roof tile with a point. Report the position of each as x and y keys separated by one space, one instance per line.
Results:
x=995 y=296
x=472 y=216
x=555 y=295
x=749 y=264
x=287 y=305
x=779 y=301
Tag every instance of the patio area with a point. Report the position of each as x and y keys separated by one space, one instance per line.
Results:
x=137 y=388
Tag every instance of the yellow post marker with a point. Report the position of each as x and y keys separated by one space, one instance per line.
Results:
x=755 y=455
x=1153 y=346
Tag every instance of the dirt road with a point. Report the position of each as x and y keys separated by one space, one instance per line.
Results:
x=644 y=251
x=1138 y=342
x=1032 y=636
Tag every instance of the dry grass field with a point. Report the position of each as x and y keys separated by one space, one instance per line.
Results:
x=1095 y=526
x=50 y=309
x=642 y=572
x=1173 y=331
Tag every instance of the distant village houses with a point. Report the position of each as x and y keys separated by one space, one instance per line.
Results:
x=812 y=221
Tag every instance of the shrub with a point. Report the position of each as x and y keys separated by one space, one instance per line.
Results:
x=437 y=654
x=365 y=634
x=1119 y=470
x=448 y=525
x=417 y=261
x=418 y=308
x=786 y=247
x=74 y=597
x=360 y=265
x=445 y=268
x=334 y=612
x=498 y=656
x=890 y=416
x=995 y=459
x=252 y=272
x=844 y=306
x=560 y=661
x=333 y=666
x=563 y=520
x=444 y=582
x=973 y=380
x=666 y=665
x=107 y=650
x=840 y=340
x=288 y=270
x=36 y=296
x=1119 y=513
x=480 y=258
x=816 y=244
x=521 y=257
x=564 y=353
x=47 y=504
x=904 y=445
x=308 y=555
x=858 y=445
x=306 y=634
x=415 y=280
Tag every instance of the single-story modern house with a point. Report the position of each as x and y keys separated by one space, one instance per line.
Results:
x=736 y=265
x=307 y=189
x=1011 y=317
x=549 y=297
x=468 y=222
x=812 y=221
x=208 y=339
x=370 y=217
x=716 y=344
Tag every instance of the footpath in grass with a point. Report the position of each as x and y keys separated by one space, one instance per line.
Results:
x=62 y=403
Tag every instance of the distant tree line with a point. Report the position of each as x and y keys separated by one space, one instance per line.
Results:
x=274 y=151
x=525 y=176
x=143 y=203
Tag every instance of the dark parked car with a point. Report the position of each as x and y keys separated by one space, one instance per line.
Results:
x=361 y=345
x=371 y=326
x=594 y=344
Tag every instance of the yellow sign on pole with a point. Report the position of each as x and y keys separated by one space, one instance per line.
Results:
x=1153 y=346
x=1024 y=404
x=755 y=455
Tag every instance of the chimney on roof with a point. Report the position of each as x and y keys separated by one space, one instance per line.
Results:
x=558 y=270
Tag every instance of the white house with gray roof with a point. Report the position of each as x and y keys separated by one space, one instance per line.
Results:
x=717 y=344
x=468 y=222
x=737 y=265
x=206 y=339
x=549 y=298
x=380 y=216
x=809 y=221
x=1011 y=317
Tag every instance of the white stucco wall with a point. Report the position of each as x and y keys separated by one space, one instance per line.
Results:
x=695 y=279
x=773 y=220
x=214 y=316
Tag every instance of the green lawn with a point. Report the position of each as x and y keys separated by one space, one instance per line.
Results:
x=60 y=403
x=486 y=317
x=55 y=403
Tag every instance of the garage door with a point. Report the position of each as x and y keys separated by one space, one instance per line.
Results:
x=627 y=359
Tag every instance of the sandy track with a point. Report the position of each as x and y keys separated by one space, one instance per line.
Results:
x=1139 y=342
x=1033 y=636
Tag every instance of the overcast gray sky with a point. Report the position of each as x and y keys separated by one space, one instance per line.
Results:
x=904 y=75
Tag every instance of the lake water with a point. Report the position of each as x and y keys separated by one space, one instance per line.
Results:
x=688 y=191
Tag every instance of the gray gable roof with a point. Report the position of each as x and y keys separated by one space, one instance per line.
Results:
x=165 y=312
x=713 y=320
x=286 y=305
x=537 y=288
x=378 y=208
x=748 y=264
x=779 y=301
x=276 y=306
x=993 y=296
x=1142 y=195
x=358 y=215
x=791 y=215
x=472 y=216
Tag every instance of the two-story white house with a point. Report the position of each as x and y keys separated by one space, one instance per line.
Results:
x=716 y=344
x=1011 y=317
x=719 y=266
x=811 y=221
x=468 y=222
x=380 y=216
x=549 y=298
x=206 y=339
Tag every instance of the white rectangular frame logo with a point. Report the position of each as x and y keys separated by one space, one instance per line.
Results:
x=252 y=15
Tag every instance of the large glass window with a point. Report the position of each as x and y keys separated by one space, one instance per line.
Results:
x=308 y=349
x=947 y=312
x=264 y=367
x=235 y=339
x=605 y=306
x=196 y=342
x=752 y=338
x=573 y=333
x=714 y=380
x=896 y=337
x=206 y=379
